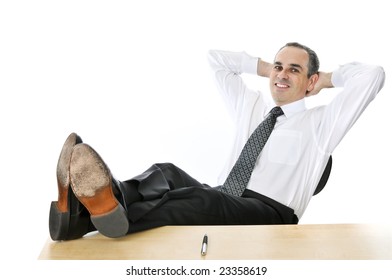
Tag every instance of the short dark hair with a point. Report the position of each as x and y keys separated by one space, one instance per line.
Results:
x=313 y=64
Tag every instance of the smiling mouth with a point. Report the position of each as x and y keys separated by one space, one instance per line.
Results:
x=279 y=85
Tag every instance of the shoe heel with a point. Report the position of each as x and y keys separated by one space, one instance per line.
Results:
x=58 y=223
x=112 y=224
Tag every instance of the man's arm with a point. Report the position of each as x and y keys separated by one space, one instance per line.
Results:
x=228 y=68
x=264 y=68
x=359 y=85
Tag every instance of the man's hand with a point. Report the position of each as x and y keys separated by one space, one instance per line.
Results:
x=324 y=81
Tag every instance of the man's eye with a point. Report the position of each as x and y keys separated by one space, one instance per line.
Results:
x=277 y=67
x=294 y=70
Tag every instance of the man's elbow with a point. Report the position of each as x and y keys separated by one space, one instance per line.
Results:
x=378 y=74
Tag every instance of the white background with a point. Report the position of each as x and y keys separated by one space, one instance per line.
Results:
x=132 y=79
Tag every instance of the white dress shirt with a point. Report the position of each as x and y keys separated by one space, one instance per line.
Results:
x=294 y=158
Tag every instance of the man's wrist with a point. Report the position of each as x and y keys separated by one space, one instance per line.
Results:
x=263 y=68
x=326 y=79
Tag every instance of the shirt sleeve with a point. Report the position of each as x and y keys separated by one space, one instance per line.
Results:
x=361 y=83
x=228 y=67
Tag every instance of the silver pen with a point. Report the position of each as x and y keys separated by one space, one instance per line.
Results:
x=204 y=245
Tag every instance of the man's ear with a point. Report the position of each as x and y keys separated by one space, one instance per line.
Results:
x=312 y=82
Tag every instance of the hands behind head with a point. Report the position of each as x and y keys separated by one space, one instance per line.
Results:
x=324 y=81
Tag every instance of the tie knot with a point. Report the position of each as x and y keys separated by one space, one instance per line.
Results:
x=276 y=111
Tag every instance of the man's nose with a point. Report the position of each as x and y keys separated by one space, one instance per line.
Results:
x=283 y=75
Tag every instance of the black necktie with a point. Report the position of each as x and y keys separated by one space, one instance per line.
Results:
x=239 y=175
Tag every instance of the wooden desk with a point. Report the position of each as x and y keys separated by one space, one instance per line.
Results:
x=300 y=242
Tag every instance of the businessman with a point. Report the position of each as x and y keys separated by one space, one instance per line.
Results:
x=280 y=152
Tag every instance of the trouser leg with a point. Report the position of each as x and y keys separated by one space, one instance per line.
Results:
x=206 y=206
x=166 y=195
x=143 y=192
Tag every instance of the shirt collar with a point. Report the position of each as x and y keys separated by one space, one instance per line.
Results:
x=294 y=107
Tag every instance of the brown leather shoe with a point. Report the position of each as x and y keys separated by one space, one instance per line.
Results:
x=91 y=181
x=68 y=218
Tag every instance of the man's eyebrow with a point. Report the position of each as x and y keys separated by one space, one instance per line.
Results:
x=292 y=64
x=296 y=65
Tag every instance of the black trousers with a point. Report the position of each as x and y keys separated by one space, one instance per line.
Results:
x=166 y=195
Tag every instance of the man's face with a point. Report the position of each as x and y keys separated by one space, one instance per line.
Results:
x=288 y=79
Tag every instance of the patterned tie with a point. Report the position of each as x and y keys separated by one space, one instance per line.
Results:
x=239 y=175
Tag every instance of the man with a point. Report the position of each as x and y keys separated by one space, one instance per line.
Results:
x=283 y=178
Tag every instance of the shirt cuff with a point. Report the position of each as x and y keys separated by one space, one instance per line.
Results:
x=249 y=63
x=337 y=78
x=339 y=75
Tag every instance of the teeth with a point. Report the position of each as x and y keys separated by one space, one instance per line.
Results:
x=282 y=86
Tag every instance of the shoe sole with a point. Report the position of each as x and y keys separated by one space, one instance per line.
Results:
x=59 y=215
x=91 y=182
